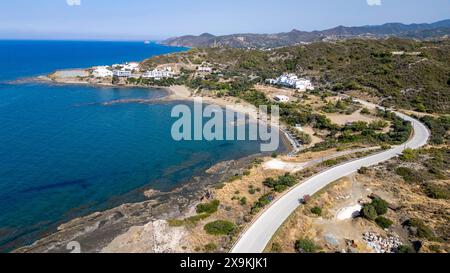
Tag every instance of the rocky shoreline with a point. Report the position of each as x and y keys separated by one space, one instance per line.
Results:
x=95 y=231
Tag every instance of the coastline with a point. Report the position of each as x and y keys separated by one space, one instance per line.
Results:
x=174 y=93
x=95 y=231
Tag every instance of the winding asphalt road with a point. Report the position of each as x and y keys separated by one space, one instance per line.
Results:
x=258 y=235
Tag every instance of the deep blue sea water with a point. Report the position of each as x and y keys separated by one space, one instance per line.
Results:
x=62 y=155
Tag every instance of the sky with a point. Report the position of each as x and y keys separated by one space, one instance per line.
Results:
x=159 y=19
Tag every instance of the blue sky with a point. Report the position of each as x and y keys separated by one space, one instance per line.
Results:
x=157 y=19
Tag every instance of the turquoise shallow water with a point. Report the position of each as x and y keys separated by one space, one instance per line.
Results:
x=63 y=154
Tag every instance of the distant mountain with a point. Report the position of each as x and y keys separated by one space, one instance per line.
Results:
x=414 y=31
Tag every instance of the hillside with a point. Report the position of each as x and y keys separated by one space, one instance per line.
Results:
x=417 y=78
x=294 y=37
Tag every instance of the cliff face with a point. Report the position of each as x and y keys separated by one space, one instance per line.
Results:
x=413 y=31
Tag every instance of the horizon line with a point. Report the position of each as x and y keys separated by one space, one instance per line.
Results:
x=164 y=37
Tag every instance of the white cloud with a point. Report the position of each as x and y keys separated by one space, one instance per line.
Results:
x=73 y=2
x=374 y=2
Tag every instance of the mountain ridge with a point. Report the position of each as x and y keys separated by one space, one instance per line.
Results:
x=421 y=31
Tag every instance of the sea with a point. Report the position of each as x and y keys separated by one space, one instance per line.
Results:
x=64 y=154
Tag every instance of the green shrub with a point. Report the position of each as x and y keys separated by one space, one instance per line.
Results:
x=365 y=111
x=383 y=222
x=408 y=155
x=330 y=162
x=175 y=222
x=409 y=175
x=281 y=184
x=439 y=128
x=363 y=170
x=436 y=191
x=306 y=245
x=243 y=201
x=385 y=147
x=219 y=227
x=405 y=249
x=317 y=211
x=261 y=203
x=420 y=229
x=210 y=207
x=380 y=205
x=257 y=161
x=369 y=212
x=196 y=218
x=276 y=248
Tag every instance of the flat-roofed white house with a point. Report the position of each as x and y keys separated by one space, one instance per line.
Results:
x=158 y=74
x=303 y=85
x=292 y=81
x=102 y=72
x=205 y=68
x=281 y=98
x=122 y=73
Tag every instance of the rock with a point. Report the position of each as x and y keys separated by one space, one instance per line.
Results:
x=380 y=244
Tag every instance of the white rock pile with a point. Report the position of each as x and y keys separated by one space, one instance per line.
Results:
x=380 y=244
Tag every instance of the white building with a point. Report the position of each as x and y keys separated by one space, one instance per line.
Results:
x=102 y=72
x=126 y=66
x=292 y=81
x=122 y=73
x=204 y=68
x=281 y=98
x=159 y=74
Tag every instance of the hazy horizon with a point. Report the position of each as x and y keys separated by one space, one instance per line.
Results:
x=147 y=20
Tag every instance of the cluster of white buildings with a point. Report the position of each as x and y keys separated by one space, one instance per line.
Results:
x=131 y=70
x=158 y=74
x=205 y=68
x=125 y=70
x=292 y=81
x=116 y=70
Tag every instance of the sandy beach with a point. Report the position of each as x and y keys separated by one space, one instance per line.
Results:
x=175 y=92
